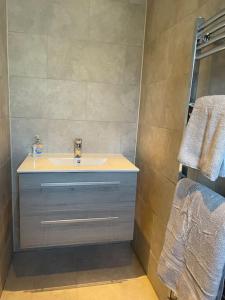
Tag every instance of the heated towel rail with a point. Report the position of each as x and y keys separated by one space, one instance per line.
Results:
x=209 y=38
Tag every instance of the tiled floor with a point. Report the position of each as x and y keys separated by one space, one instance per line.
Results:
x=83 y=273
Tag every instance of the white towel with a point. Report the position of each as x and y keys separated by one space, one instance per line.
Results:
x=193 y=255
x=203 y=144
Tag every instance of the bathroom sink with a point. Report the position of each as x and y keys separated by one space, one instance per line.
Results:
x=83 y=161
x=65 y=162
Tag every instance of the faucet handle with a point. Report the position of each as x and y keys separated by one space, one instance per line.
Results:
x=78 y=142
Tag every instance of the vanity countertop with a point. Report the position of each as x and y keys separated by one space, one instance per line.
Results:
x=66 y=163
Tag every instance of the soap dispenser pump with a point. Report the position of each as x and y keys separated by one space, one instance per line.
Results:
x=37 y=147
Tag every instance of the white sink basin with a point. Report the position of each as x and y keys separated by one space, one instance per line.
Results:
x=83 y=161
x=65 y=162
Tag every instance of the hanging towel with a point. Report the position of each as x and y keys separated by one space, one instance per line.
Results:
x=193 y=256
x=203 y=144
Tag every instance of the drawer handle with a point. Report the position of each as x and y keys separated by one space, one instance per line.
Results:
x=78 y=221
x=74 y=184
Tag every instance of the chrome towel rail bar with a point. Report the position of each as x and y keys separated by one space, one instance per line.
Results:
x=210 y=52
x=212 y=20
x=215 y=28
x=211 y=41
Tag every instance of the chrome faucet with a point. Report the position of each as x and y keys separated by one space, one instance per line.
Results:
x=77 y=147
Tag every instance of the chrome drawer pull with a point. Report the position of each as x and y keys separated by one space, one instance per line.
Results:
x=78 y=221
x=74 y=184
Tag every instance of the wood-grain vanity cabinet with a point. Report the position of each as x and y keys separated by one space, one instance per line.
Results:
x=76 y=208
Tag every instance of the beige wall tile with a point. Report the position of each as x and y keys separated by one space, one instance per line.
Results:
x=108 y=102
x=104 y=62
x=23 y=132
x=4 y=138
x=106 y=132
x=28 y=97
x=157 y=64
x=161 y=290
x=69 y=18
x=138 y=2
x=108 y=20
x=29 y=16
x=4 y=98
x=157 y=236
x=133 y=64
x=27 y=55
x=65 y=58
x=62 y=133
x=128 y=139
x=141 y=247
x=163 y=16
x=65 y=100
x=92 y=61
x=117 y=21
x=136 y=23
x=5 y=184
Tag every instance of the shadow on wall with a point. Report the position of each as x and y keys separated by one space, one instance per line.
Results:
x=80 y=266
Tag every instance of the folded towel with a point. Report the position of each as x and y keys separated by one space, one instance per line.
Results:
x=203 y=144
x=193 y=256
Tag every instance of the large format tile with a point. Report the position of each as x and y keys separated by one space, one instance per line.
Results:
x=136 y=24
x=154 y=114
x=117 y=21
x=108 y=102
x=128 y=139
x=161 y=289
x=132 y=72
x=65 y=100
x=163 y=15
x=79 y=60
x=4 y=98
x=104 y=62
x=69 y=18
x=28 y=97
x=29 y=16
x=27 y=55
x=5 y=184
x=157 y=64
x=5 y=143
x=65 y=59
x=108 y=20
x=61 y=135
x=143 y=2
x=153 y=146
x=22 y=136
x=102 y=137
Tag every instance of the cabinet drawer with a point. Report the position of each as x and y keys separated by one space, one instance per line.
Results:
x=76 y=228
x=40 y=180
x=44 y=194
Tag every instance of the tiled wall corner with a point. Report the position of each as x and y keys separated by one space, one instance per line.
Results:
x=167 y=61
x=5 y=168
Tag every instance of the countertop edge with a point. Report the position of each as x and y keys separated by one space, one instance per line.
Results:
x=77 y=171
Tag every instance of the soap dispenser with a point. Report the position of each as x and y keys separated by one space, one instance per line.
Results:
x=37 y=147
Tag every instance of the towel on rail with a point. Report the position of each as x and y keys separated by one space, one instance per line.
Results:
x=193 y=256
x=203 y=144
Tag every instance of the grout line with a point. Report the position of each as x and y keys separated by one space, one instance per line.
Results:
x=89 y=40
x=140 y=81
x=77 y=81
x=14 y=211
x=69 y=120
